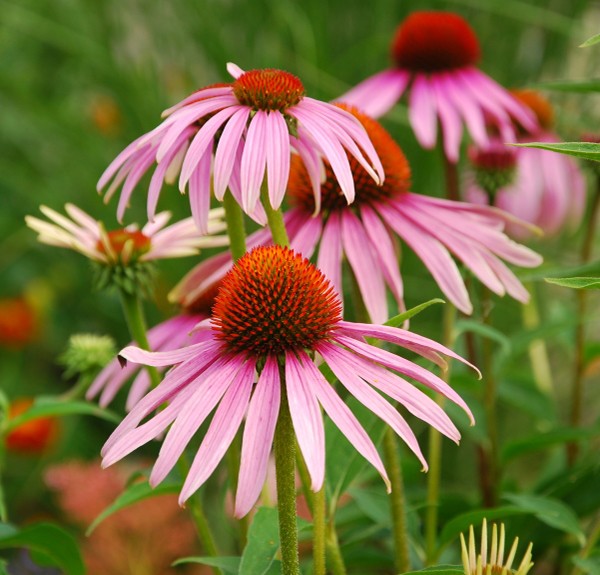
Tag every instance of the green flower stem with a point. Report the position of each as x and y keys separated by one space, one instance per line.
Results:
x=334 y=553
x=593 y=537
x=305 y=480
x=275 y=221
x=435 y=453
x=234 y=217
x=318 y=513
x=582 y=297
x=397 y=502
x=285 y=470
x=538 y=352
x=134 y=315
x=194 y=504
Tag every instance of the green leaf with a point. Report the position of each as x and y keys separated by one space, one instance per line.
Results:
x=461 y=523
x=486 y=331
x=402 y=317
x=580 y=86
x=577 y=283
x=587 y=150
x=263 y=543
x=55 y=544
x=2 y=504
x=551 y=512
x=591 y=41
x=228 y=564
x=50 y=406
x=589 y=565
x=440 y=570
x=133 y=494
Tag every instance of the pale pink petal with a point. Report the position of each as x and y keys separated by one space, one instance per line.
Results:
x=360 y=256
x=422 y=111
x=234 y=70
x=513 y=286
x=307 y=234
x=227 y=148
x=376 y=95
x=342 y=417
x=252 y=171
x=258 y=437
x=330 y=253
x=342 y=364
x=133 y=178
x=223 y=428
x=203 y=94
x=306 y=418
x=162 y=358
x=119 y=161
x=277 y=141
x=451 y=125
x=199 y=192
x=312 y=162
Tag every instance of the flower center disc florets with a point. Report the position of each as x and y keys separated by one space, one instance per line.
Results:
x=129 y=243
x=434 y=41
x=272 y=301
x=494 y=167
x=268 y=89
x=393 y=160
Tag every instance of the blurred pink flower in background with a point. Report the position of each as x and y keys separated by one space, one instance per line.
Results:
x=434 y=56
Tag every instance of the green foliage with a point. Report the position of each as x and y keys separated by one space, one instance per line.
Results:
x=586 y=150
x=440 y=570
x=576 y=283
x=399 y=319
x=591 y=41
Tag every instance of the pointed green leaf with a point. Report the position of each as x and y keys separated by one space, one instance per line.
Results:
x=133 y=494
x=52 y=406
x=587 y=150
x=469 y=325
x=228 y=564
x=263 y=543
x=581 y=86
x=591 y=41
x=551 y=512
x=576 y=283
x=55 y=544
x=402 y=317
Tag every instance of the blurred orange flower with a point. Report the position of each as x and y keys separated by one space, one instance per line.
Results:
x=18 y=322
x=34 y=436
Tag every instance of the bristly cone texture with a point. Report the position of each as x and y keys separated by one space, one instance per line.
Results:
x=272 y=301
x=268 y=89
x=434 y=41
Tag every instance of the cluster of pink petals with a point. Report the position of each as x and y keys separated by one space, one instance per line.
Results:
x=168 y=335
x=435 y=229
x=452 y=98
x=548 y=191
x=207 y=377
x=249 y=143
x=82 y=233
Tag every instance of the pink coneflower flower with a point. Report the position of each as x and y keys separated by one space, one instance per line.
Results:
x=436 y=53
x=82 y=233
x=546 y=189
x=273 y=312
x=433 y=228
x=238 y=132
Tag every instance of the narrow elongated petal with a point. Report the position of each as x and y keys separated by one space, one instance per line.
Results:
x=330 y=254
x=258 y=437
x=449 y=119
x=307 y=234
x=307 y=420
x=422 y=111
x=254 y=161
x=278 y=152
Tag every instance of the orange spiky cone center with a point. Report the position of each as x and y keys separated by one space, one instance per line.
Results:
x=539 y=105
x=274 y=300
x=434 y=41
x=393 y=160
x=119 y=240
x=268 y=89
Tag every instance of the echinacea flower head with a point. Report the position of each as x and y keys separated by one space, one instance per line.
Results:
x=87 y=353
x=542 y=188
x=34 y=436
x=480 y=562
x=238 y=135
x=435 y=56
x=367 y=233
x=274 y=312
x=123 y=255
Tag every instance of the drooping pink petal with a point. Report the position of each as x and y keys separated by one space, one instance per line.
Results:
x=223 y=428
x=360 y=256
x=341 y=363
x=258 y=437
x=422 y=111
x=278 y=150
x=308 y=230
x=330 y=253
x=312 y=162
x=134 y=176
x=450 y=122
x=203 y=94
x=513 y=286
x=342 y=417
x=306 y=418
x=376 y=95
x=199 y=192
x=254 y=159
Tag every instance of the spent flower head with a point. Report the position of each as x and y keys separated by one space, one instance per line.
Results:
x=87 y=353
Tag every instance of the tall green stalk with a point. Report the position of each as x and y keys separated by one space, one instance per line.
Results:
x=236 y=230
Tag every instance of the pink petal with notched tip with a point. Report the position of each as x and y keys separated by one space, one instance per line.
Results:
x=329 y=260
x=360 y=256
x=306 y=418
x=376 y=95
x=342 y=364
x=342 y=417
x=422 y=111
x=259 y=430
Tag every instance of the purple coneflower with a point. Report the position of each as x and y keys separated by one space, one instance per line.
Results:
x=435 y=53
x=237 y=132
x=433 y=228
x=546 y=189
x=273 y=313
